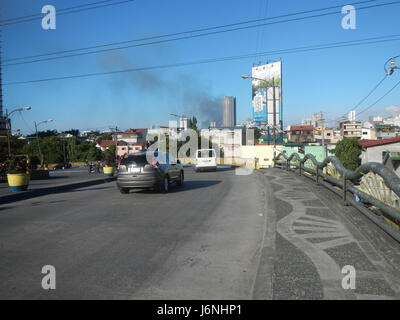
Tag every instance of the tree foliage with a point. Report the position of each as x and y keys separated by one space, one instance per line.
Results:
x=348 y=151
x=56 y=150
x=192 y=123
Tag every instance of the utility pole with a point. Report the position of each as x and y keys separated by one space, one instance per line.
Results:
x=323 y=135
x=392 y=66
x=8 y=128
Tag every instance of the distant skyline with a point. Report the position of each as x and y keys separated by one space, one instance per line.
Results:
x=332 y=80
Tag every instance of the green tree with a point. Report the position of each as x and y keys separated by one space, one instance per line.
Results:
x=105 y=136
x=257 y=133
x=51 y=148
x=193 y=123
x=74 y=132
x=348 y=151
x=43 y=134
x=15 y=146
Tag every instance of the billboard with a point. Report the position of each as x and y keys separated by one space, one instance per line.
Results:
x=263 y=78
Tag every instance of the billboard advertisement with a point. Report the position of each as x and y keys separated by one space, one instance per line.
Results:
x=263 y=79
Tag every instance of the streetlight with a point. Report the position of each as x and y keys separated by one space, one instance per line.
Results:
x=37 y=137
x=8 y=124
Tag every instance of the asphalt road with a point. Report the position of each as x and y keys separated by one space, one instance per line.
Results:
x=269 y=235
x=199 y=241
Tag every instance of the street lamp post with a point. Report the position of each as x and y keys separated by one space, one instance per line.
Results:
x=37 y=137
x=8 y=125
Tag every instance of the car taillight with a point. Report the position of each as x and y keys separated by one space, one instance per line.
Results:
x=154 y=163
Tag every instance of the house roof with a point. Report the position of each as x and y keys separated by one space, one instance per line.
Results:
x=373 y=143
x=105 y=143
x=299 y=128
x=130 y=131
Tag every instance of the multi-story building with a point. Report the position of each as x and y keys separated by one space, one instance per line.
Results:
x=318 y=120
x=351 y=129
x=228 y=140
x=386 y=131
x=229 y=112
x=301 y=134
x=130 y=141
x=368 y=134
x=307 y=122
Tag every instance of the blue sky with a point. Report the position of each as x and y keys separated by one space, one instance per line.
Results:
x=331 y=80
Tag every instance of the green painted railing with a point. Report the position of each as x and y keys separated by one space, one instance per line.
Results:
x=344 y=184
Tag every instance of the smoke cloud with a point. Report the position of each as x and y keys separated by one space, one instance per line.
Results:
x=183 y=94
x=204 y=106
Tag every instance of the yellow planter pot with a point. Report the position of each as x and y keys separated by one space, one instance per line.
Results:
x=18 y=181
x=108 y=171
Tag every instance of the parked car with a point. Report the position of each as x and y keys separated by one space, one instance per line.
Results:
x=153 y=170
x=62 y=166
x=205 y=160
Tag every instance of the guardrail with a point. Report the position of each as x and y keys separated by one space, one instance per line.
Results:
x=345 y=182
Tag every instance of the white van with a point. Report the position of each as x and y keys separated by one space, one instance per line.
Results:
x=205 y=160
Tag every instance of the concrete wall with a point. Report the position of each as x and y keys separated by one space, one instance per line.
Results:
x=374 y=154
x=264 y=153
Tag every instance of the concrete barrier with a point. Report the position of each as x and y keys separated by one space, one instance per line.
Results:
x=50 y=190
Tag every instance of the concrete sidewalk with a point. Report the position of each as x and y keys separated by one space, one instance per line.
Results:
x=59 y=181
x=311 y=236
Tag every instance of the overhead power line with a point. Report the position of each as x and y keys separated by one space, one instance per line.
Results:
x=373 y=104
x=64 y=11
x=212 y=60
x=189 y=36
x=362 y=100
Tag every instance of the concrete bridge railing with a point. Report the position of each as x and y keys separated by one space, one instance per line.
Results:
x=349 y=185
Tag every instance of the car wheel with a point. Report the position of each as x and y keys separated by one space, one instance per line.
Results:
x=181 y=179
x=123 y=190
x=165 y=185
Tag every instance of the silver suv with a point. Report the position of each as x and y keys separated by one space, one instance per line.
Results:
x=153 y=170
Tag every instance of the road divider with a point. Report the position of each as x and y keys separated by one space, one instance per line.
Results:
x=9 y=198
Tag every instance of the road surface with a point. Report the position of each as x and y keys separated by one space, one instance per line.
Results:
x=220 y=236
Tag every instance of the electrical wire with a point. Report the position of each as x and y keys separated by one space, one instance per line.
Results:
x=373 y=104
x=362 y=100
x=190 y=35
x=63 y=12
x=212 y=60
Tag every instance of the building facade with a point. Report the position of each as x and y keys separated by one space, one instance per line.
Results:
x=301 y=134
x=351 y=129
x=229 y=112
x=130 y=141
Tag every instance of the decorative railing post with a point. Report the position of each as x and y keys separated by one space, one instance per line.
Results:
x=287 y=164
x=344 y=190
x=300 y=167
x=316 y=175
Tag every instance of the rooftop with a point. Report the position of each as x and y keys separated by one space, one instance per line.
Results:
x=373 y=143
x=301 y=128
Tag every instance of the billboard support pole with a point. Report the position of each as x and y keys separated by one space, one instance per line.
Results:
x=274 y=112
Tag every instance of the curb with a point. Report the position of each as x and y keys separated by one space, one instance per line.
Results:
x=56 y=189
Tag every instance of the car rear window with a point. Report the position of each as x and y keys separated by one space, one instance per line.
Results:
x=205 y=154
x=139 y=160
